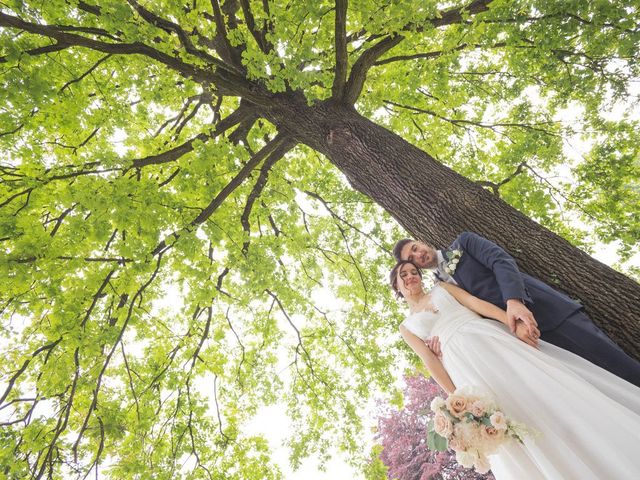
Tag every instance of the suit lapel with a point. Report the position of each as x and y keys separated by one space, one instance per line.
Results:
x=457 y=277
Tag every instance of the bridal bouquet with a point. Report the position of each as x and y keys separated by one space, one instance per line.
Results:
x=473 y=426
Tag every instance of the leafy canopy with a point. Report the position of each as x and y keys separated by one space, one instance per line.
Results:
x=171 y=262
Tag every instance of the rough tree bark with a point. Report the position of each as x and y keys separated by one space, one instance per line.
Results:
x=435 y=204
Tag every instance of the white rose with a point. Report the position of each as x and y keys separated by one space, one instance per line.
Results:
x=465 y=459
x=442 y=425
x=437 y=403
x=482 y=464
x=499 y=421
x=469 y=433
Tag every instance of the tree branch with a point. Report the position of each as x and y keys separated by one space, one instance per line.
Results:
x=459 y=122
x=242 y=348
x=98 y=383
x=175 y=153
x=339 y=218
x=61 y=218
x=215 y=398
x=120 y=260
x=221 y=33
x=307 y=357
x=258 y=34
x=227 y=78
x=340 y=78
x=76 y=80
x=20 y=371
x=495 y=187
x=257 y=189
x=169 y=27
x=435 y=54
x=56 y=47
x=280 y=143
x=360 y=69
x=278 y=146
x=371 y=55
x=455 y=15
x=204 y=336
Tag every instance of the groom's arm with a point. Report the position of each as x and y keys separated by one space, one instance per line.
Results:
x=507 y=275
x=499 y=262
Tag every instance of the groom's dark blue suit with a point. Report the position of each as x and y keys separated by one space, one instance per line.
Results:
x=488 y=272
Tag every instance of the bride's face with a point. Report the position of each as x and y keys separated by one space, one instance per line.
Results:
x=409 y=280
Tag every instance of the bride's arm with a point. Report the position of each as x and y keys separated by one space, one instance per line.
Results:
x=433 y=364
x=481 y=307
x=489 y=310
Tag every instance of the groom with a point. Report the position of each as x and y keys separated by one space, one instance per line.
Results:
x=485 y=270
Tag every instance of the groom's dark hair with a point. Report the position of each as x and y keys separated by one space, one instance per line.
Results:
x=397 y=249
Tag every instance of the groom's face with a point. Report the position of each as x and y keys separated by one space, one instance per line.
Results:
x=421 y=254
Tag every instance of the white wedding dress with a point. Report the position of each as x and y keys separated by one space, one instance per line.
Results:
x=587 y=418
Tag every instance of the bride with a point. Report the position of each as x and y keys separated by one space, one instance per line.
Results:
x=588 y=419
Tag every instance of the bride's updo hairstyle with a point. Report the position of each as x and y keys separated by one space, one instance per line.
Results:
x=393 y=276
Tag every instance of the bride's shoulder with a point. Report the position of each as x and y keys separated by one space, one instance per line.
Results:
x=403 y=324
x=441 y=290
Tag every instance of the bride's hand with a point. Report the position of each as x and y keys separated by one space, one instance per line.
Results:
x=434 y=345
x=523 y=332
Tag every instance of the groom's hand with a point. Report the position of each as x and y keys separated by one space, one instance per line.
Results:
x=516 y=310
x=522 y=332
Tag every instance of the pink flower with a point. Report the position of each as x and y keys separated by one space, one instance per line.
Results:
x=491 y=438
x=442 y=425
x=457 y=405
x=477 y=408
x=491 y=432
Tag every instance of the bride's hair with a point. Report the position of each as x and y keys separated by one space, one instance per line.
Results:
x=393 y=276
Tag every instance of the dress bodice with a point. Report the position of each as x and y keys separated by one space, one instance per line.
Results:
x=450 y=316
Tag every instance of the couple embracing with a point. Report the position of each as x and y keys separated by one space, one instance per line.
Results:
x=544 y=361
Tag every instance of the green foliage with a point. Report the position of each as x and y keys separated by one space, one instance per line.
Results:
x=139 y=337
x=375 y=469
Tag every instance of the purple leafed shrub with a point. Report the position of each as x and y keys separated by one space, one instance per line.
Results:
x=403 y=436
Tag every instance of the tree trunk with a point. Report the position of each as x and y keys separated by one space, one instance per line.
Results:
x=435 y=204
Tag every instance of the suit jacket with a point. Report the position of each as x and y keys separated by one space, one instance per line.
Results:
x=488 y=272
